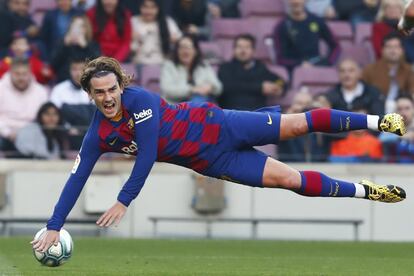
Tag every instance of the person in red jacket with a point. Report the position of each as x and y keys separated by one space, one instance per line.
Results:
x=111 y=24
x=21 y=48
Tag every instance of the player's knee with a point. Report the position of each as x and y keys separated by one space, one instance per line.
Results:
x=281 y=181
x=299 y=128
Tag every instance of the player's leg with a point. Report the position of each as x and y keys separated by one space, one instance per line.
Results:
x=312 y=183
x=334 y=121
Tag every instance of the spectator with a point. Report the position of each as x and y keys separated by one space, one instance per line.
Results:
x=387 y=20
x=401 y=149
x=224 y=8
x=152 y=34
x=247 y=83
x=6 y=31
x=351 y=91
x=297 y=37
x=76 y=108
x=391 y=74
x=20 y=99
x=192 y=17
x=356 y=11
x=55 y=25
x=357 y=146
x=22 y=19
x=78 y=43
x=111 y=24
x=321 y=8
x=187 y=76
x=44 y=138
x=313 y=148
x=20 y=48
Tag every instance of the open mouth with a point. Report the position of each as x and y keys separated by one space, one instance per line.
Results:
x=109 y=107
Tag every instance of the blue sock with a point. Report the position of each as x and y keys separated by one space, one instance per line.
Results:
x=332 y=120
x=318 y=184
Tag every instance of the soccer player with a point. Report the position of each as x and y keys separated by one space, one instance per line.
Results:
x=203 y=137
x=406 y=24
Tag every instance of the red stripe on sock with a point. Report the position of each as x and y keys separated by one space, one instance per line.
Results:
x=321 y=119
x=313 y=183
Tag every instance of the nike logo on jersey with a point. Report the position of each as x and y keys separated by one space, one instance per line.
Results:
x=270 y=119
x=143 y=116
x=113 y=141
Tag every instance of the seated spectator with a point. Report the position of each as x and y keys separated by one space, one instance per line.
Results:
x=22 y=19
x=20 y=99
x=76 y=108
x=187 y=77
x=44 y=138
x=357 y=146
x=351 y=91
x=192 y=17
x=20 y=48
x=297 y=37
x=356 y=11
x=321 y=8
x=77 y=43
x=401 y=149
x=310 y=148
x=55 y=25
x=111 y=24
x=152 y=34
x=247 y=83
x=391 y=74
x=224 y=8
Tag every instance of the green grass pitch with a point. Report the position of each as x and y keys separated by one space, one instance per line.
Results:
x=102 y=256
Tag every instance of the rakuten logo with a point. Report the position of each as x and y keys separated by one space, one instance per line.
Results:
x=142 y=116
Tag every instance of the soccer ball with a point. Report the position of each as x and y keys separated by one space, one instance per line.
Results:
x=56 y=254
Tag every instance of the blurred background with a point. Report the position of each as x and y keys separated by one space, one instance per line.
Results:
x=239 y=54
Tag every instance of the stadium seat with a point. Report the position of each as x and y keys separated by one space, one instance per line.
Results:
x=212 y=52
x=150 y=77
x=264 y=28
x=316 y=79
x=42 y=5
x=363 y=33
x=279 y=70
x=262 y=8
x=359 y=53
x=342 y=31
x=229 y=28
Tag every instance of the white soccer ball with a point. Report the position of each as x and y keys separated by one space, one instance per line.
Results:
x=56 y=254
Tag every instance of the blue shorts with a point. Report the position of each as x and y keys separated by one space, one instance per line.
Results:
x=237 y=160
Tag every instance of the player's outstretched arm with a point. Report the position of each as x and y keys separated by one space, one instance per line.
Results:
x=45 y=241
x=113 y=215
x=406 y=24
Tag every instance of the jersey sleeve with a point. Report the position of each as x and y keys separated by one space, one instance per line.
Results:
x=85 y=161
x=145 y=112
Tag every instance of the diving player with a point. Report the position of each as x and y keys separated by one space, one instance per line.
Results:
x=214 y=142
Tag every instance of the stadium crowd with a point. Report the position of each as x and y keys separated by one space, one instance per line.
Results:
x=239 y=54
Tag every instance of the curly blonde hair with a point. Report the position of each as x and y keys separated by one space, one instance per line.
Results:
x=101 y=66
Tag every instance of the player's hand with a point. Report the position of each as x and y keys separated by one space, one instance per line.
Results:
x=406 y=23
x=46 y=240
x=114 y=214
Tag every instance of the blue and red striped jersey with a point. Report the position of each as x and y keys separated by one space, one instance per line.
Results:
x=151 y=129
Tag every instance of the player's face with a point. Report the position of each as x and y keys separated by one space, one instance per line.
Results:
x=186 y=51
x=109 y=6
x=392 y=50
x=76 y=71
x=349 y=74
x=243 y=50
x=149 y=10
x=20 y=77
x=406 y=109
x=50 y=118
x=106 y=93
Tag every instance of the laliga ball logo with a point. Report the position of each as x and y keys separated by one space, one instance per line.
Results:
x=55 y=255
